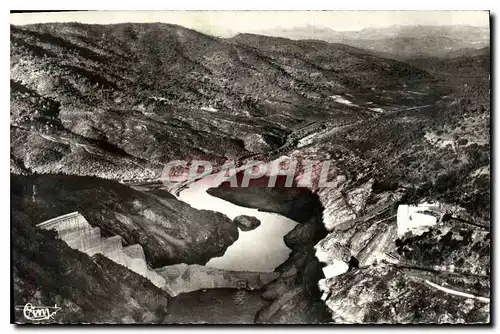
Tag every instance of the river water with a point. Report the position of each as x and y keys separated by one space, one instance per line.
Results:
x=261 y=249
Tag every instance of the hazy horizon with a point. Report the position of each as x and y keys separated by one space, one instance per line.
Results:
x=228 y=23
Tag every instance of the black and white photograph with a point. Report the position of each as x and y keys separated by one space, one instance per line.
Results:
x=250 y=167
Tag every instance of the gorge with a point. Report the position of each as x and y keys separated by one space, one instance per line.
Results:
x=259 y=259
x=98 y=111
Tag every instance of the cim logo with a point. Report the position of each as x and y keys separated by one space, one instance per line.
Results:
x=39 y=313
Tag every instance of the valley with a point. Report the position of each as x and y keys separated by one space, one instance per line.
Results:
x=97 y=111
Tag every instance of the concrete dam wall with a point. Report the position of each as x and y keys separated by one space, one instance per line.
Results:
x=76 y=231
x=187 y=278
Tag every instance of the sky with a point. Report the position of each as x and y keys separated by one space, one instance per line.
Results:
x=226 y=23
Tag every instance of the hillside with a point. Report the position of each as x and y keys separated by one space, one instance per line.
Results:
x=467 y=63
x=119 y=101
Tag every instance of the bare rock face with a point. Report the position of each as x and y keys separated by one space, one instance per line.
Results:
x=419 y=264
x=391 y=294
x=364 y=232
x=343 y=204
x=304 y=235
x=246 y=223
x=293 y=306
x=440 y=275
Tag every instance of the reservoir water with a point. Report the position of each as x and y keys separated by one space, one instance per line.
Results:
x=261 y=249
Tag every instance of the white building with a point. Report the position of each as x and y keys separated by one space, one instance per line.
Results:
x=412 y=218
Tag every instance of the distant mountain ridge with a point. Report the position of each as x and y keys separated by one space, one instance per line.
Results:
x=400 y=42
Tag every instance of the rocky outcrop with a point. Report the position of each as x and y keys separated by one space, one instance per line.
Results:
x=246 y=223
x=183 y=278
x=386 y=293
x=294 y=297
x=402 y=255
x=343 y=203
x=367 y=232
